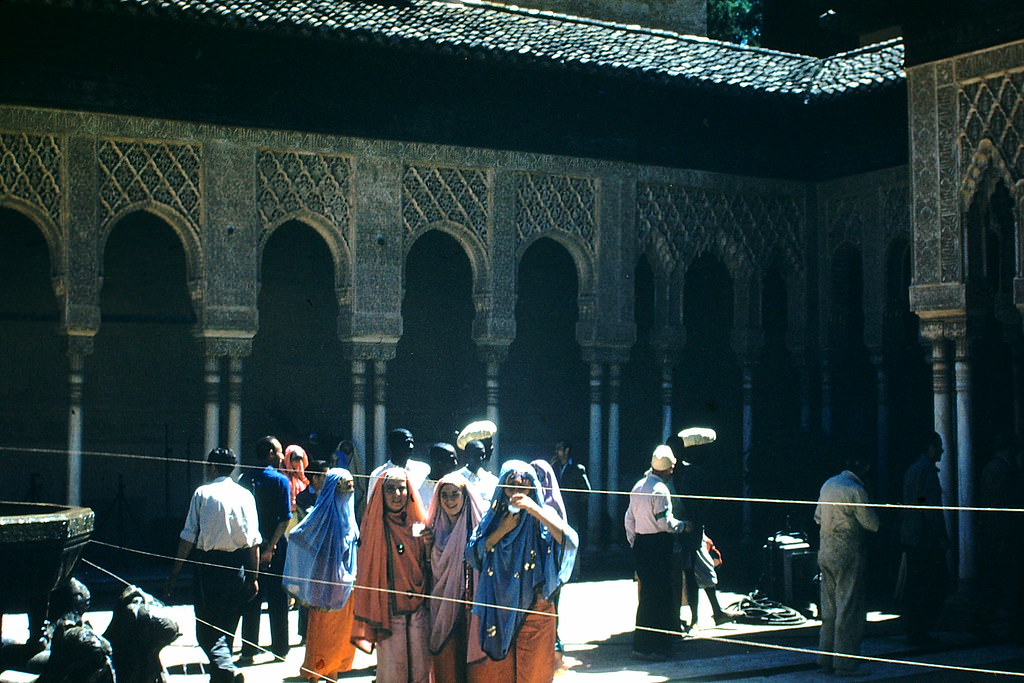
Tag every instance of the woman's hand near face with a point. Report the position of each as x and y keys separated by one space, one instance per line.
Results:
x=523 y=501
x=428 y=537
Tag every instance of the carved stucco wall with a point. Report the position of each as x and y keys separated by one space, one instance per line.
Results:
x=226 y=190
x=967 y=130
x=868 y=212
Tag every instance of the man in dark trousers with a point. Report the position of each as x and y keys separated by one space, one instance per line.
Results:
x=924 y=580
x=222 y=535
x=273 y=503
x=574 y=484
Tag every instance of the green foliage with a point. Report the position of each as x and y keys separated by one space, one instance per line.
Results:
x=737 y=21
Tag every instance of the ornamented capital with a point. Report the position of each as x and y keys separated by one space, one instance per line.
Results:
x=216 y=343
x=379 y=349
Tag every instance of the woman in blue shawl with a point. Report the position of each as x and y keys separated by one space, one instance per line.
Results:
x=320 y=570
x=524 y=551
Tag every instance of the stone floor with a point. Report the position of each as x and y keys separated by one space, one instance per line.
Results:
x=596 y=626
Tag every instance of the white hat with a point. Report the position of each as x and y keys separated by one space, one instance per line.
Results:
x=695 y=436
x=663 y=458
x=481 y=429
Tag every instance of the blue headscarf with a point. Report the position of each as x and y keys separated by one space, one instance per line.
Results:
x=320 y=567
x=525 y=562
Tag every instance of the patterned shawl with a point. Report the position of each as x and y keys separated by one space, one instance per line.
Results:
x=549 y=485
x=525 y=563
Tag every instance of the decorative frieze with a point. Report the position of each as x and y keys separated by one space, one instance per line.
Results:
x=30 y=170
x=738 y=227
x=134 y=172
x=556 y=203
x=292 y=183
x=431 y=194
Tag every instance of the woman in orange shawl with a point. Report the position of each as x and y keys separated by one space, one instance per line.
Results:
x=294 y=467
x=455 y=510
x=391 y=611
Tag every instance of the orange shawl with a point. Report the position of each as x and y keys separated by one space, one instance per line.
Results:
x=390 y=560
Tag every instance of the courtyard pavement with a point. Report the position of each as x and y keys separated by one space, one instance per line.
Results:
x=596 y=627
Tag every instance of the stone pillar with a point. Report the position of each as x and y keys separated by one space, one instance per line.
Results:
x=965 y=460
x=748 y=444
x=595 y=464
x=493 y=387
x=359 y=405
x=666 y=400
x=826 y=396
x=211 y=379
x=380 y=417
x=882 y=398
x=78 y=348
x=942 y=407
x=235 y=404
x=612 y=502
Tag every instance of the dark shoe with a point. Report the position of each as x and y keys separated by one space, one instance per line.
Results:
x=239 y=678
x=726 y=617
x=244 y=660
x=281 y=653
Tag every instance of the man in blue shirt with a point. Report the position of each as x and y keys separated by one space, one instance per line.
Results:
x=273 y=505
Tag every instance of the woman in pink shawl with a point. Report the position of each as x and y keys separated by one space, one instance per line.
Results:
x=390 y=604
x=294 y=467
x=455 y=510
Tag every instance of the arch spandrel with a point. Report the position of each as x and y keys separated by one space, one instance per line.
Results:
x=986 y=168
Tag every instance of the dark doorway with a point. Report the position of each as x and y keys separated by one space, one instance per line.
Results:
x=296 y=382
x=436 y=381
x=544 y=381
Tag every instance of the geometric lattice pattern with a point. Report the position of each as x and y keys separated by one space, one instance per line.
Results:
x=993 y=108
x=30 y=170
x=160 y=172
x=433 y=193
x=690 y=221
x=554 y=202
x=318 y=183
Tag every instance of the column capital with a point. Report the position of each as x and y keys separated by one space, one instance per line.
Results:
x=492 y=350
x=217 y=343
x=79 y=344
x=944 y=329
x=378 y=349
x=605 y=354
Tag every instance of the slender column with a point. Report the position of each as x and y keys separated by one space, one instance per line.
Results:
x=882 y=395
x=666 y=401
x=380 y=385
x=965 y=460
x=748 y=442
x=942 y=405
x=826 y=397
x=614 y=387
x=359 y=405
x=76 y=384
x=211 y=377
x=594 y=466
x=804 y=389
x=492 y=412
x=235 y=404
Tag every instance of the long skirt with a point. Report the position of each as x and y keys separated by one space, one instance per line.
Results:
x=329 y=649
x=532 y=656
x=404 y=656
x=450 y=662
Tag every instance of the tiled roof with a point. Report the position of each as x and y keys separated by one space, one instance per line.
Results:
x=481 y=28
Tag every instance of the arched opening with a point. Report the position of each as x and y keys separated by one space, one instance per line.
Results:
x=437 y=377
x=297 y=382
x=544 y=381
x=994 y=323
x=707 y=383
x=33 y=367
x=143 y=387
x=853 y=396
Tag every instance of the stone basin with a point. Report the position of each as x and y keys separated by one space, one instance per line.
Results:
x=39 y=546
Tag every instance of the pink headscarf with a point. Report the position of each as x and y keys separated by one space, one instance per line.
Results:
x=454 y=578
x=295 y=469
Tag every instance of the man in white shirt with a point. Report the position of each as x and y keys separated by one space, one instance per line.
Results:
x=650 y=530
x=474 y=472
x=400 y=449
x=222 y=533
x=843 y=520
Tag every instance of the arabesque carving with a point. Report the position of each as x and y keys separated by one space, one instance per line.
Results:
x=434 y=193
x=134 y=172
x=555 y=202
x=294 y=182
x=30 y=170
